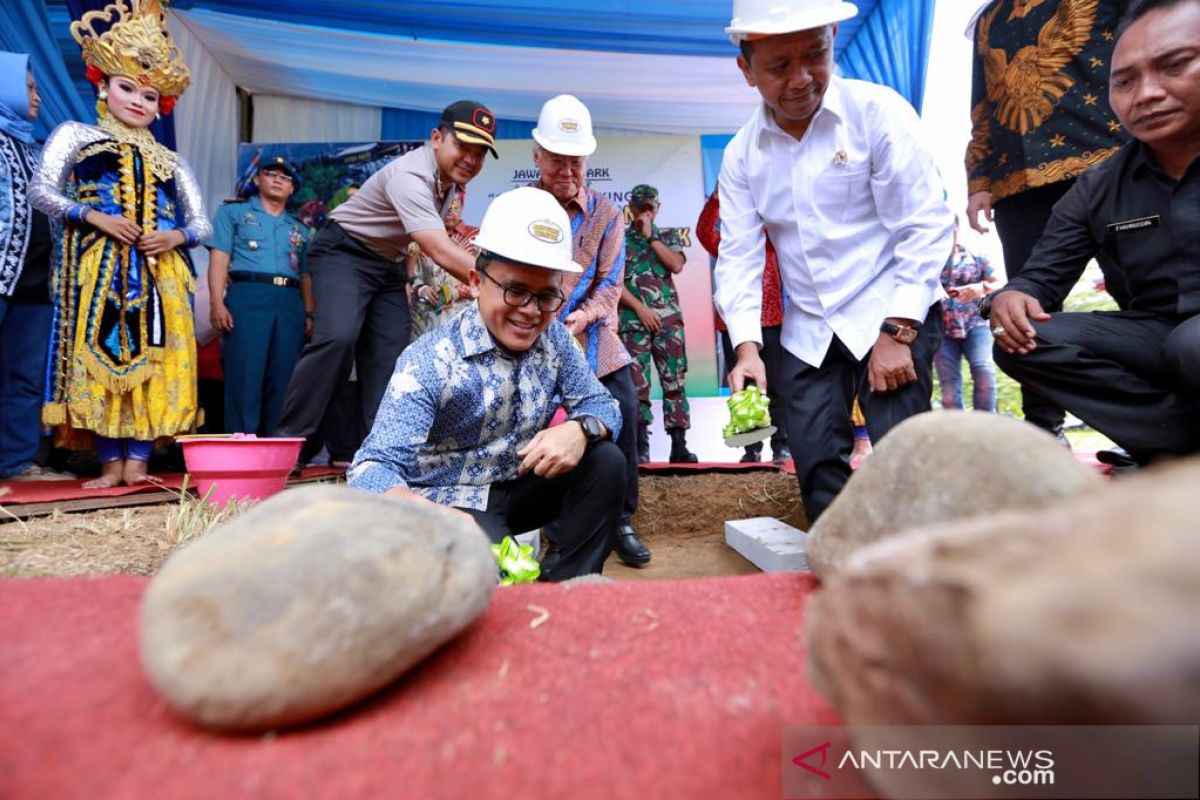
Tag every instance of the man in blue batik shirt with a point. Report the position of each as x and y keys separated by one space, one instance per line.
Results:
x=464 y=419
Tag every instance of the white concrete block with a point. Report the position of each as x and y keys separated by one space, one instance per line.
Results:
x=534 y=538
x=769 y=544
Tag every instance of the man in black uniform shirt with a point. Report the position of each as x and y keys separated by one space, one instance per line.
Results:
x=1132 y=374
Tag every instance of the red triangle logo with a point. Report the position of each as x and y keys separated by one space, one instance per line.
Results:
x=802 y=760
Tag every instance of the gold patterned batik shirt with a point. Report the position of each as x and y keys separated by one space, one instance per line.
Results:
x=1039 y=97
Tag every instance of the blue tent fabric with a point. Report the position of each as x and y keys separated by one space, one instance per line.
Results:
x=666 y=27
x=399 y=124
x=891 y=47
x=712 y=150
x=25 y=28
x=887 y=42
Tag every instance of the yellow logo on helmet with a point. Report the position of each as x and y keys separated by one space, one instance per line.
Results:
x=568 y=125
x=545 y=231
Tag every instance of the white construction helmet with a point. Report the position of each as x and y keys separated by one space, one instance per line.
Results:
x=565 y=127
x=528 y=226
x=753 y=18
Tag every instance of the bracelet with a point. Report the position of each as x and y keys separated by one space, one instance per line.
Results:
x=191 y=239
x=76 y=213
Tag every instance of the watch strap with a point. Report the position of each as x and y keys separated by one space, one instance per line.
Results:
x=592 y=429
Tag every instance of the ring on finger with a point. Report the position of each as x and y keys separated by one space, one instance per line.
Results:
x=998 y=330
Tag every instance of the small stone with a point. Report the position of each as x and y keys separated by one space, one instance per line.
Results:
x=309 y=602
x=943 y=466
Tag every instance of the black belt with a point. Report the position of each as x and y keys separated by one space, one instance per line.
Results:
x=259 y=277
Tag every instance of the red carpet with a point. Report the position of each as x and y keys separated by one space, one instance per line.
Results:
x=36 y=492
x=633 y=689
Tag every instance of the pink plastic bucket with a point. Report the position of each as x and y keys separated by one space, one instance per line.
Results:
x=239 y=466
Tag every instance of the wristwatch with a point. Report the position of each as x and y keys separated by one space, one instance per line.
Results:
x=904 y=334
x=593 y=431
x=985 y=306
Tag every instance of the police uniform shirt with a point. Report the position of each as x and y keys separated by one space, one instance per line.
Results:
x=397 y=200
x=257 y=241
x=1141 y=225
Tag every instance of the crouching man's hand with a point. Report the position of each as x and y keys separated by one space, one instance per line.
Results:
x=1010 y=321
x=403 y=493
x=554 y=451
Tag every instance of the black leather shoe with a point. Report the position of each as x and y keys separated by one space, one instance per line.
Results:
x=1119 y=460
x=630 y=548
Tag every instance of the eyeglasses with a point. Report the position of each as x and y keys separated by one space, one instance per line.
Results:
x=270 y=173
x=548 y=302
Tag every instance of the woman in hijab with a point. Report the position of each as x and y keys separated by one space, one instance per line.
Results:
x=25 y=246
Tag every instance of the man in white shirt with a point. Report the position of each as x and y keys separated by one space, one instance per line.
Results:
x=835 y=172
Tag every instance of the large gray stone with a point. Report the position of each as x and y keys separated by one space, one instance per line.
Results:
x=942 y=466
x=1081 y=613
x=309 y=602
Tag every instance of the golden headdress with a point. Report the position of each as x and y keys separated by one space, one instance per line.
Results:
x=137 y=44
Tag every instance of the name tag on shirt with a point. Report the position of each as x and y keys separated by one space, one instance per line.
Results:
x=1138 y=224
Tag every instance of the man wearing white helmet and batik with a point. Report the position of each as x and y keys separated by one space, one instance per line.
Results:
x=563 y=141
x=835 y=173
x=464 y=419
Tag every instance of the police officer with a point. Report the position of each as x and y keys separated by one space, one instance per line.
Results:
x=651 y=324
x=257 y=253
x=357 y=262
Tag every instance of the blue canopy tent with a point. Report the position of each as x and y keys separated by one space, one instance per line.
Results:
x=887 y=42
x=650 y=66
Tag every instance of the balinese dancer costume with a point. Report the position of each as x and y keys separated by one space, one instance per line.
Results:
x=123 y=349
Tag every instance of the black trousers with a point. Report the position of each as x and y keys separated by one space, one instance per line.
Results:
x=772 y=356
x=584 y=504
x=1020 y=221
x=361 y=315
x=1132 y=375
x=341 y=430
x=620 y=386
x=819 y=402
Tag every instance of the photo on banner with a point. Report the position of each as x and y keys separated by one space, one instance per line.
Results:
x=673 y=165
x=330 y=172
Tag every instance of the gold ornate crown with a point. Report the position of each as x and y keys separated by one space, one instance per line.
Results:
x=137 y=44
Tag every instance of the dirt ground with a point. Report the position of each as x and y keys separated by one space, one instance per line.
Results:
x=681 y=518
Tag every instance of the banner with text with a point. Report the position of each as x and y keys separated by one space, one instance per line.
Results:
x=673 y=165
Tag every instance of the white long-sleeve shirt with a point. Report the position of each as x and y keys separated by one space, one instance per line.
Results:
x=855 y=210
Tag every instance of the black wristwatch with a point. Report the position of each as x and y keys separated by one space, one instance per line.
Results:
x=904 y=334
x=985 y=306
x=593 y=431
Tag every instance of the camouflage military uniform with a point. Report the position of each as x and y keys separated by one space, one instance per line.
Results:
x=649 y=280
